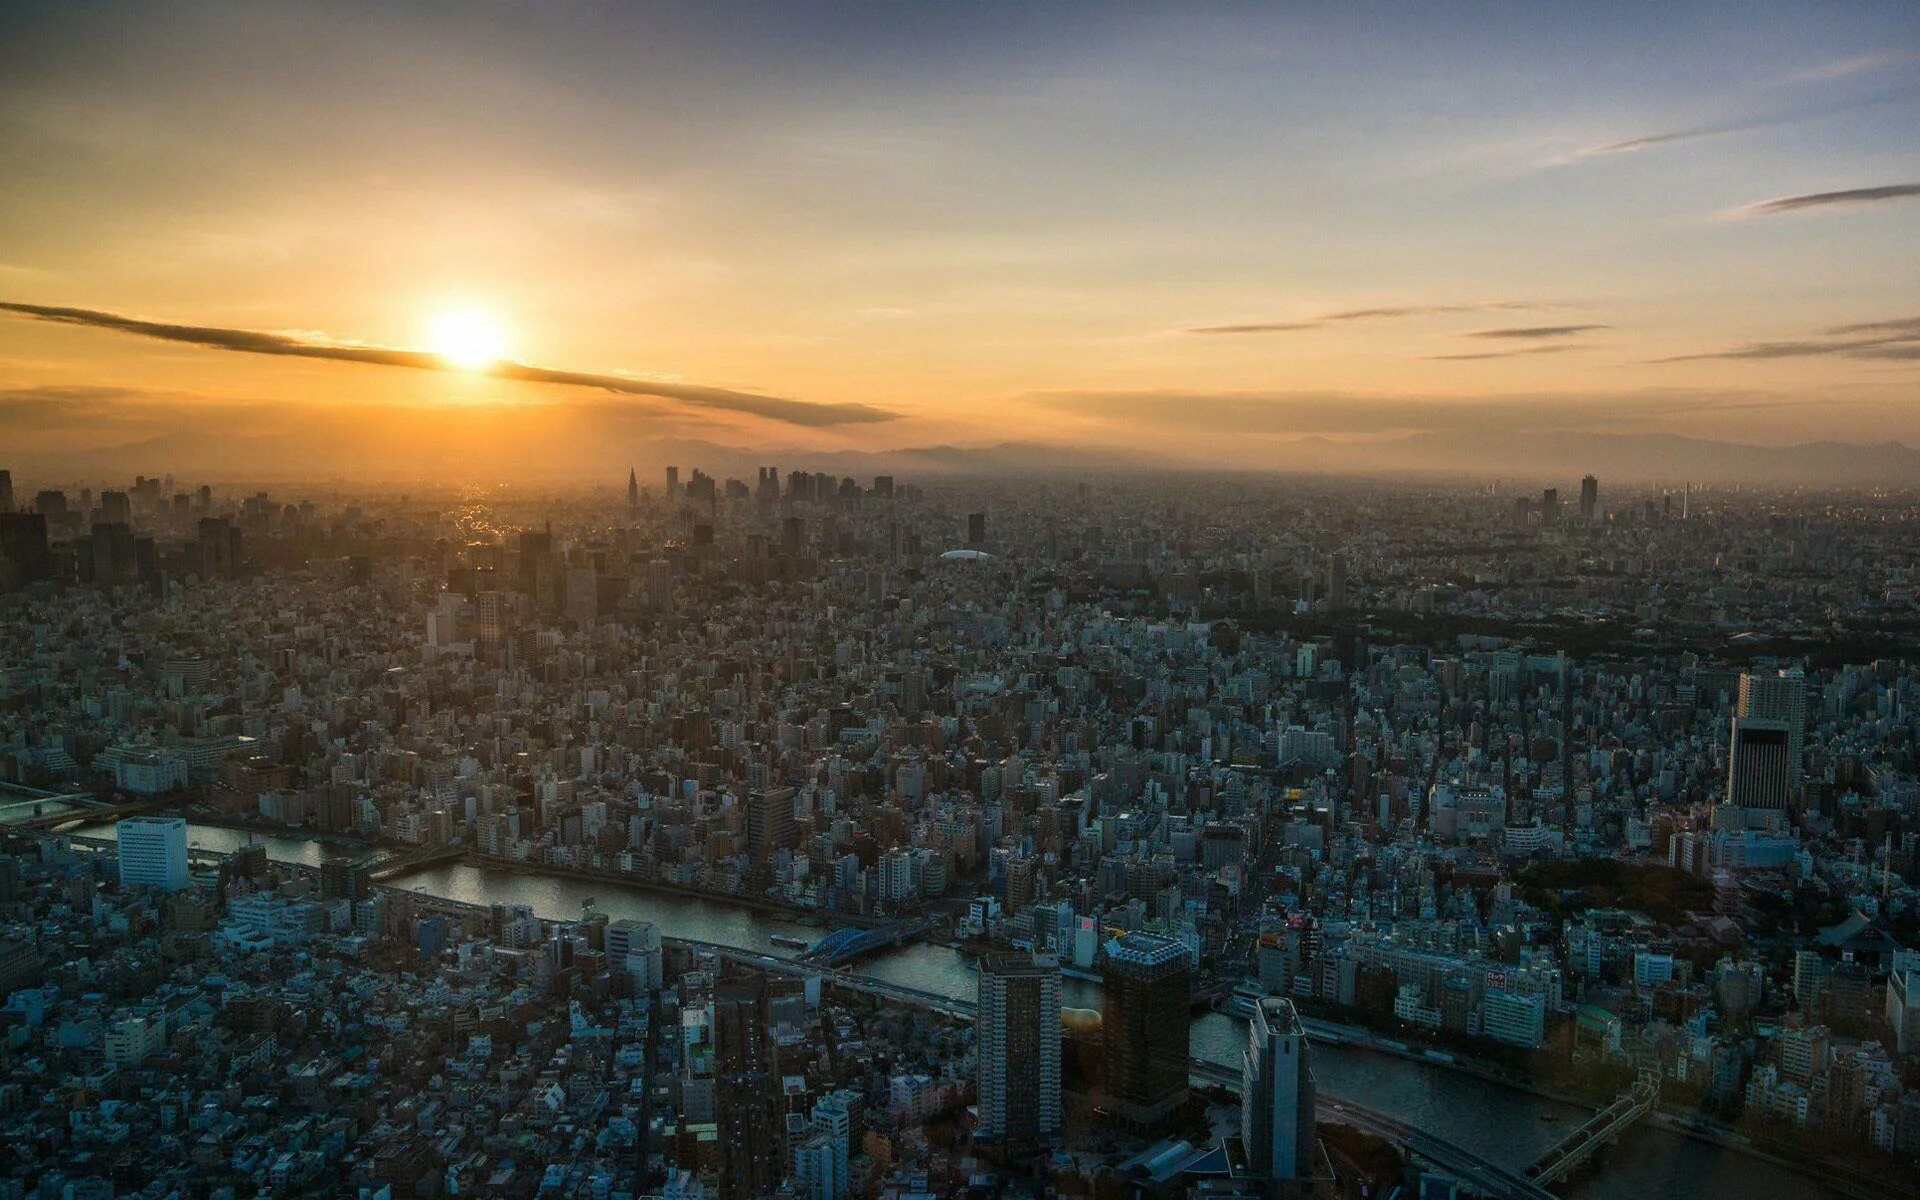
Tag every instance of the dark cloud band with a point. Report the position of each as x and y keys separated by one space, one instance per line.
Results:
x=253 y=341
x=1850 y=198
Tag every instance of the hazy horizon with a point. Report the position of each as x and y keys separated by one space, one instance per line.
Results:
x=389 y=243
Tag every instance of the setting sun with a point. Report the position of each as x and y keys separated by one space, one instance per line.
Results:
x=467 y=338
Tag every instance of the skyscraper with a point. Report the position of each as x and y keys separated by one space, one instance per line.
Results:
x=1589 y=499
x=153 y=852
x=6 y=491
x=1779 y=696
x=745 y=1094
x=1336 y=581
x=23 y=543
x=769 y=822
x=976 y=530
x=1758 y=777
x=1017 y=1028
x=1550 y=506
x=633 y=488
x=1144 y=1025
x=673 y=483
x=1277 y=1094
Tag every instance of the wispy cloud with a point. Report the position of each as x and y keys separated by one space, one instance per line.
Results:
x=1849 y=198
x=1473 y=355
x=1635 y=145
x=1535 y=331
x=1372 y=314
x=1342 y=413
x=306 y=345
x=1896 y=340
x=1777 y=114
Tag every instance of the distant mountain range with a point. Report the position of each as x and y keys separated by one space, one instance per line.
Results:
x=349 y=453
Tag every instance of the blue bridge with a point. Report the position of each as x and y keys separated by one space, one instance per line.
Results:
x=845 y=945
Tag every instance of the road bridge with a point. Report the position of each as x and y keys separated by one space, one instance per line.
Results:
x=843 y=946
x=380 y=869
x=1600 y=1130
x=77 y=809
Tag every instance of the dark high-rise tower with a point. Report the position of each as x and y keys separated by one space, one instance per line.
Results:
x=23 y=543
x=1143 y=1022
x=1759 y=779
x=769 y=823
x=976 y=530
x=633 y=488
x=1589 y=498
x=745 y=1096
x=1017 y=1024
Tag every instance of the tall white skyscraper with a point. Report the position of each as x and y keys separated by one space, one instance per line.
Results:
x=153 y=852
x=1276 y=1094
x=1017 y=1028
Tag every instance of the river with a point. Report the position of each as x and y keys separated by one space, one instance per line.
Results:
x=1500 y=1123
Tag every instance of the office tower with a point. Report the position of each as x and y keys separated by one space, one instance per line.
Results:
x=1277 y=1094
x=1337 y=581
x=23 y=543
x=673 y=483
x=112 y=561
x=1144 y=1025
x=1589 y=499
x=153 y=852
x=819 y=1166
x=116 y=508
x=633 y=488
x=883 y=486
x=1550 y=506
x=976 y=530
x=792 y=537
x=820 y=1162
x=660 y=584
x=489 y=618
x=769 y=822
x=744 y=1089
x=1779 y=696
x=216 y=552
x=633 y=950
x=1017 y=1033
x=1758 y=776
x=6 y=491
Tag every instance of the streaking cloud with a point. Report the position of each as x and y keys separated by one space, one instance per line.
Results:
x=1849 y=198
x=255 y=341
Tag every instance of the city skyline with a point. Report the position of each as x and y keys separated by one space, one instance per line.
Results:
x=374 y=244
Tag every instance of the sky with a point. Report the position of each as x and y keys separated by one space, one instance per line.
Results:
x=1199 y=231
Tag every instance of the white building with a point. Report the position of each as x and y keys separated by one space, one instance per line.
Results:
x=1513 y=1017
x=1277 y=1094
x=633 y=948
x=128 y=1042
x=153 y=852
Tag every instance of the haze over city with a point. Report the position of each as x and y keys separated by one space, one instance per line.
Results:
x=338 y=240
x=1066 y=601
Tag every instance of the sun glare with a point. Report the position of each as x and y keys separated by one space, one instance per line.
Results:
x=467 y=338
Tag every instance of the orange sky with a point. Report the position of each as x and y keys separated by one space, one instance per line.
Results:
x=989 y=230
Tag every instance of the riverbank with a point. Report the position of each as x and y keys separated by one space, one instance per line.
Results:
x=1507 y=1124
x=765 y=904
